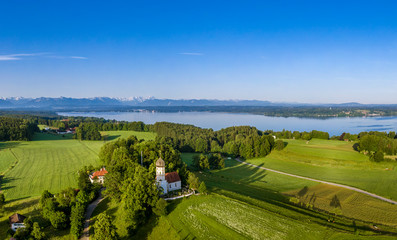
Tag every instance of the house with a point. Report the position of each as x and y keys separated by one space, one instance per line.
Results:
x=16 y=221
x=98 y=176
x=166 y=181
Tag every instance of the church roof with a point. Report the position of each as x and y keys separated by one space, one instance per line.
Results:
x=160 y=163
x=172 y=177
x=16 y=218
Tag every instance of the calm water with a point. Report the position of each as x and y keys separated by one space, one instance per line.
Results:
x=216 y=121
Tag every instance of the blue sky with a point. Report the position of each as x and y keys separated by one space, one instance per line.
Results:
x=283 y=51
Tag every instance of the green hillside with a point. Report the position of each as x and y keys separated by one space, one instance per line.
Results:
x=49 y=162
x=333 y=161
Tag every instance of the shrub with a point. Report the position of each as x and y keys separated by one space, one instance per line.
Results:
x=279 y=145
x=377 y=156
x=160 y=208
x=104 y=229
x=37 y=232
x=58 y=220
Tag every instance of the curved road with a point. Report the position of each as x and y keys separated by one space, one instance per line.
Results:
x=321 y=181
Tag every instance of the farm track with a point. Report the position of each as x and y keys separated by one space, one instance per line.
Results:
x=321 y=181
x=89 y=211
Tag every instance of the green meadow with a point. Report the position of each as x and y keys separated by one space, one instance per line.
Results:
x=251 y=203
x=334 y=161
x=244 y=202
x=49 y=162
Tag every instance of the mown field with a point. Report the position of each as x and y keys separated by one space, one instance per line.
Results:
x=49 y=162
x=334 y=161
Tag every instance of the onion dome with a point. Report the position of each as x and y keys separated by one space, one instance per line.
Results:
x=160 y=163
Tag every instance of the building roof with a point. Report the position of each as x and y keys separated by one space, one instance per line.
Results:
x=172 y=177
x=99 y=173
x=16 y=218
x=160 y=162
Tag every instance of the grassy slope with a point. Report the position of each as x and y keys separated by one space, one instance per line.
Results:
x=219 y=217
x=334 y=161
x=50 y=162
x=247 y=204
x=7 y=158
x=54 y=155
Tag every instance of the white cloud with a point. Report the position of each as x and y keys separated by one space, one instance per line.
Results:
x=192 y=53
x=78 y=57
x=20 y=56
x=11 y=57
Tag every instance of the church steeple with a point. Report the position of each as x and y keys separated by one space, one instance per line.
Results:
x=160 y=170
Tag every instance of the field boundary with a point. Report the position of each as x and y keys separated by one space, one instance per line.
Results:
x=321 y=181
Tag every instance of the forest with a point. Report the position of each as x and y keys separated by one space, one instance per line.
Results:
x=14 y=129
x=243 y=141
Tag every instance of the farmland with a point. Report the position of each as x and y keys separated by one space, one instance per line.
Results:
x=244 y=202
x=250 y=203
x=49 y=162
x=333 y=161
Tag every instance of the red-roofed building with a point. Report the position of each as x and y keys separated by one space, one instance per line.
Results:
x=98 y=176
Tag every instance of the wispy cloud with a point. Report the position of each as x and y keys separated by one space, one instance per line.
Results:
x=78 y=57
x=18 y=56
x=66 y=57
x=21 y=56
x=192 y=53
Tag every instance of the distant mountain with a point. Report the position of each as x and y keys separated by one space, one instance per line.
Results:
x=120 y=104
x=73 y=103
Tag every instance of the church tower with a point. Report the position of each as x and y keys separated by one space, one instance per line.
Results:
x=160 y=170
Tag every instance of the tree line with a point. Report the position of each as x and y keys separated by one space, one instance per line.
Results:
x=14 y=129
x=243 y=141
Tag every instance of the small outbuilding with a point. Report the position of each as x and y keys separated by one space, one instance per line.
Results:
x=16 y=221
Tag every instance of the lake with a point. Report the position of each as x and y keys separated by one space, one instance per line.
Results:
x=216 y=121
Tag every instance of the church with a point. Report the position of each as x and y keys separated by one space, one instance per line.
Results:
x=167 y=181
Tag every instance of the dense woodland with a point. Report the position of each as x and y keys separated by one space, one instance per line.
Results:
x=241 y=141
x=132 y=167
x=14 y=129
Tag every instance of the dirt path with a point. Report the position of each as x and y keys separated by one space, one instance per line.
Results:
x=320 y=181
x=88 y=213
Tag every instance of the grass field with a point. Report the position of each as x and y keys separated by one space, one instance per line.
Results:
x=334 y=161
x=49 y=162
x=250 y=203
x=218 y=217
x=352 y=204
x=268 y=186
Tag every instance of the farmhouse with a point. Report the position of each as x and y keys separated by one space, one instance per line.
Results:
x=16 y=221
x=167 y=181
x=98 y=176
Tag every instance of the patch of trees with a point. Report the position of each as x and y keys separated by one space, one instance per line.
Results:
x=32 y=230
x=132 y=170
x=88 y=131
x=286 y=134
x=67 y=208
x=241 y=141
x=211 y=161
x=377 y=144
x=99 y=124
x=279 y=145
x=14 y=129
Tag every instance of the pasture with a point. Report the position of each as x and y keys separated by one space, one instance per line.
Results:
x=333 y=161
x=49 y=162
x=263 y=186
x=218 y=217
